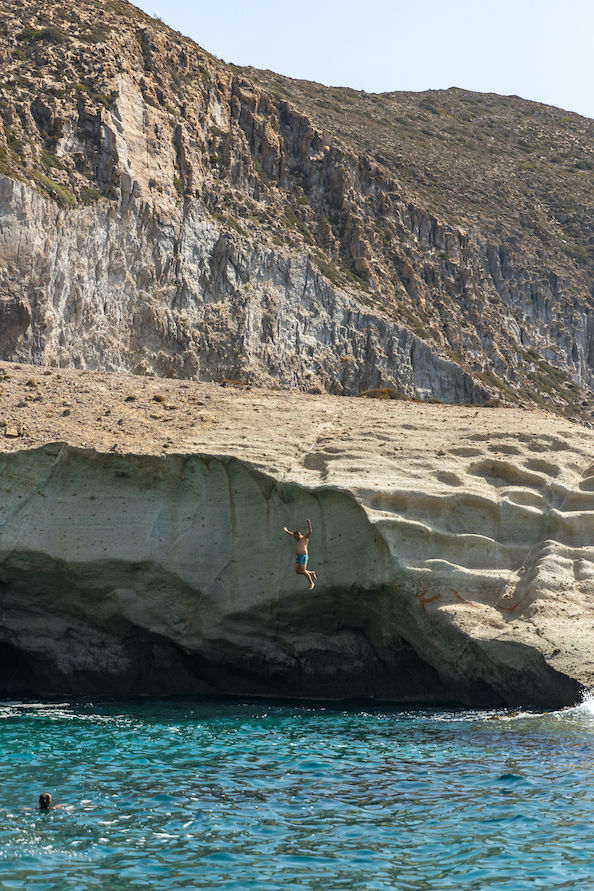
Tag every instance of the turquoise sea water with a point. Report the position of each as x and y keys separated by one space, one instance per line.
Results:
x=174 y=794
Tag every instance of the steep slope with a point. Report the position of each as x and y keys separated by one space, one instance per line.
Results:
x=162 y=211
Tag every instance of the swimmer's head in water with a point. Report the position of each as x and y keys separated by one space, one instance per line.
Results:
x=45 y=801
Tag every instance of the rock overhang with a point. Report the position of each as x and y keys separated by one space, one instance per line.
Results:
x=453 y=551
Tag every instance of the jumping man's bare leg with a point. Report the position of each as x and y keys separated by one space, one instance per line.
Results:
x=301 y=570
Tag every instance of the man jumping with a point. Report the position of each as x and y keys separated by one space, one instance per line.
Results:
x=301 y=542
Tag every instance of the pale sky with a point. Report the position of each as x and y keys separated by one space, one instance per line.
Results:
x=537 y=49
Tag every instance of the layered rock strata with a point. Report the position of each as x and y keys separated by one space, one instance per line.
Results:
x=163 y=211
x=164 y=289
x=453 y=546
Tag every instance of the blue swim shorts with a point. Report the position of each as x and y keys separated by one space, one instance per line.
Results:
x=302 y=559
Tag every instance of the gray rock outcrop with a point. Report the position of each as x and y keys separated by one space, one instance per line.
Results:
x=166 y=290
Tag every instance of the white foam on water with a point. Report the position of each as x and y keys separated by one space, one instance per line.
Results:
x=584 y=711
x=59 y=711
x=587 y=704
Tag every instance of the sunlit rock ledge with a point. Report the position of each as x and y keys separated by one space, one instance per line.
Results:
x=454 y=549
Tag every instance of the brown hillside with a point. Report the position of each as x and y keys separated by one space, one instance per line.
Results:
x=460 y=222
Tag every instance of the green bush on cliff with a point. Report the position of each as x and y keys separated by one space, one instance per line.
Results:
x=56 y=191
x=48 y=159
x=328 y=269
x=123 y=9
x=51 y=34
x=6 y=168
x=97 y=35
x=88 y=196
x=15 y=144
x=576 y=252
x=228 y=220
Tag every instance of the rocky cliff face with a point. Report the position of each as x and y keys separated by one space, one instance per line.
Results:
x=452 y=545
x=162 y=211
x=167 y=292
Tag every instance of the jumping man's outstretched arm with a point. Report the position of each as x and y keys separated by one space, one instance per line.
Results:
x=287 y=530
x=308 y=533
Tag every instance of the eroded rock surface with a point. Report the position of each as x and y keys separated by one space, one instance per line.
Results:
x=160 y=288
x=453 y=546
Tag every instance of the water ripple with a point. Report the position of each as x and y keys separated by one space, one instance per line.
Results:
x=229 y=795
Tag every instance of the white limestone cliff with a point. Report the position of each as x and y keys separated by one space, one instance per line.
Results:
x=454 y=552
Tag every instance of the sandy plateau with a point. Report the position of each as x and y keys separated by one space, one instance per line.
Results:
x=141 y=543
